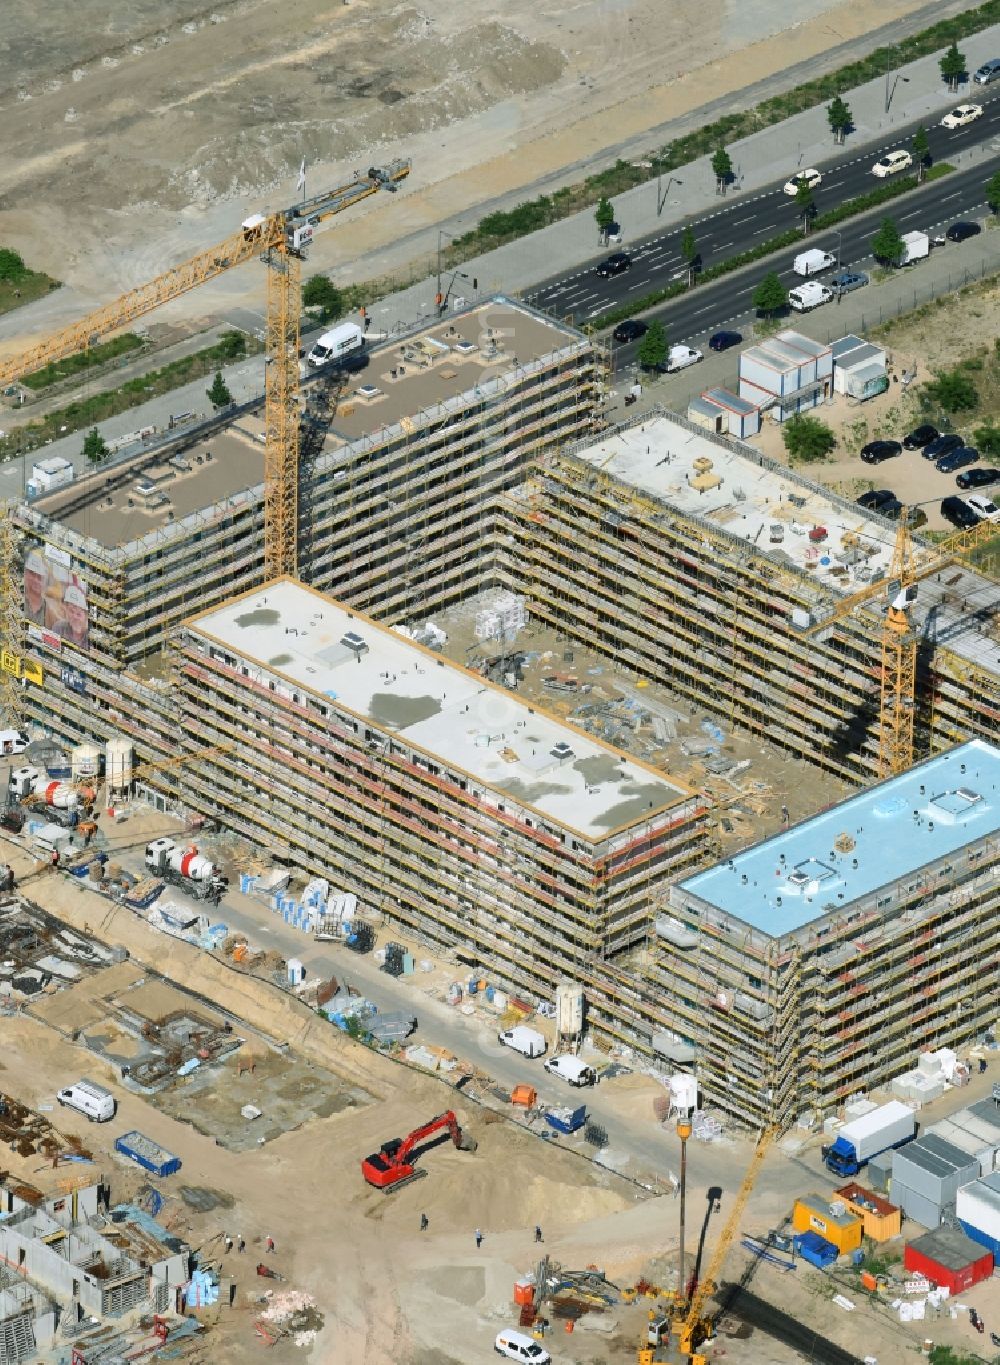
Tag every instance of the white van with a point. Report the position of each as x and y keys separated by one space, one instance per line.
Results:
x=571 y=1069
x=805 y=297
x=519 y=1346
x=813 y=261
x=90 y=1099
x=337 y=343
x=528 y=1041
x=13 y=742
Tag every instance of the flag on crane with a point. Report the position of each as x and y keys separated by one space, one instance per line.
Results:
x=300 y=184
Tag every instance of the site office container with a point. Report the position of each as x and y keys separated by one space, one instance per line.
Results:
x=978 y=1209
x=932 y=1167
x=880 y=1220
x=842 y=1229
x=947 y=1257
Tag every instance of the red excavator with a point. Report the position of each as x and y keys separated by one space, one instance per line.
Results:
x=390 y=1167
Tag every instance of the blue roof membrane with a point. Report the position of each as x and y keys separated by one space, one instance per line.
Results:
x=864 y=843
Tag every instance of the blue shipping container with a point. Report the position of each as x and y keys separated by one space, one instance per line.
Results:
x=983 y=1238
x=147 y=1153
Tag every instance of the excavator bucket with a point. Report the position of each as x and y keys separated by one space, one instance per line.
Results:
x=467 y=1143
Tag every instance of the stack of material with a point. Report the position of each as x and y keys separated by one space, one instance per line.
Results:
x=503 y=616
x=704 y=1127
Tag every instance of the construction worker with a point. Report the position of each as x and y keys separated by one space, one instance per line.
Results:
x=229 y=1243
x=538 y=1233
x=424 y=1222
x=269 y=1246
x=241 y=1246
x=479 y=1239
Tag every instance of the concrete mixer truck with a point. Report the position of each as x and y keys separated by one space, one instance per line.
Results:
x=185 y=867
x=30 y=786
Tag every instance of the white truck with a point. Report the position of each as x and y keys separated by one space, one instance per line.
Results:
x=528 y=1041
x=917 y=246
x=813 y=261
x=805 y=297
x=336 y=344
x=185 y=867
x=890 y=1125
x=680 y=357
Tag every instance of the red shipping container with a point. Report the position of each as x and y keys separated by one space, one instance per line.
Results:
x=947 y=1257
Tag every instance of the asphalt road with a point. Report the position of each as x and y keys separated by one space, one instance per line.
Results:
x=741 y=223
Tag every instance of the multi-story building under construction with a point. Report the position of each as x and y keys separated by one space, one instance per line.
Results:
x=439 y=799
x=400 y=470
x=823 y=961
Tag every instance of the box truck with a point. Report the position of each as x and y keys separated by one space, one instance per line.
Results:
x=813 y=261
x=336 y=344
x=805 y=297
x=916 y=245
x=891 y=1125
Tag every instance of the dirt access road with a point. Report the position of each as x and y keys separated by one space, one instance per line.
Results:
x=139 y=132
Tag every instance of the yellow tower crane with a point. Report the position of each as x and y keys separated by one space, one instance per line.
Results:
x=281 y=240
x=898 y=677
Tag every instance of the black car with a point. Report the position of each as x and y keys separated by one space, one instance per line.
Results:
x=942 y=445
x=876 y=498
x=721 y=341
x=615 y=264
x=959 y=513
x=630 y=330
x=920 y=436
x=957 y=459
x=891 y=509
x=978 y=478
x=877 y=451
x=961 y=232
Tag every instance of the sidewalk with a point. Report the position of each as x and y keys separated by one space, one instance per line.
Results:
x=916 y=92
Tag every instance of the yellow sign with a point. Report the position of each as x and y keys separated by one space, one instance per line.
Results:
x=20 y=667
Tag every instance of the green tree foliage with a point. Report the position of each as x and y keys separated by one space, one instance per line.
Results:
x=653 y=347
x=604 y=215
x=689 y=252
x=807 y=439
x=722 y=169
x=887 y=244
x=839 y=117
x=231 y=346
x=770 y=295
x=219 y=395
x=987 y=438
x=12 y=268
x=921 y=151
x=952 y=66
x=993 y=192
x=805 y=202
x=95 y=447
x=952 y=391
x=321 y=294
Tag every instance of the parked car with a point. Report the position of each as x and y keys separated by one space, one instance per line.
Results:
x=962 y=231
x=979 y=477
x=957 y=459
x=959 y=513
x=680 y=357
x=985 y=508
x=876 y=498
x=721 y=341
x=811 y=177
x=849 y=280
x=891 y=163
x=877 y=451
x=614 y=264
x=961 y=115
x=519 y=1346
x=941 y=445
x=630 y=330
x=920 y=436
x=988 y=72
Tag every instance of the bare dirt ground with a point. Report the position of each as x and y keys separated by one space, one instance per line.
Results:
x=136 y=133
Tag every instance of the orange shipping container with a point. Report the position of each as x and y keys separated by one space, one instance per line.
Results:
x=524 y=1094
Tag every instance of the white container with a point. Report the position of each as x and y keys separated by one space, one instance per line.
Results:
x=85 y=762
x=295 y=972
x=569 y=1008
x=683 y=1092
x=119 y=758
x=978 y=1205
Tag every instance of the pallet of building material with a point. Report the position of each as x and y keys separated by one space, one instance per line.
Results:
x=143 y=893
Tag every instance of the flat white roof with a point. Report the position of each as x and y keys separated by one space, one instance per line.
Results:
x=754 y=500
x=296 y=634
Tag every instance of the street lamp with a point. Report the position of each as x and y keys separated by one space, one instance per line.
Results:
x=439 y=297
x=839 y=236
x=889 y=92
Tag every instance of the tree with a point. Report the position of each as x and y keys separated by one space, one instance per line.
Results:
x=952 y=66
x=987 y=439
x=231 y=346
x=653 y=347
x=12 y=268
x=321 y=293
x=722 y=169
x=770 y=295
x=219 y=395
x=887 y=245
x=952 y=391
x=689 y=253
x=805 y=202
x=839 y=117
x=605 y=216
x=807 y=439
x=921 y=151
x=95 y=447
x=993 y=192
